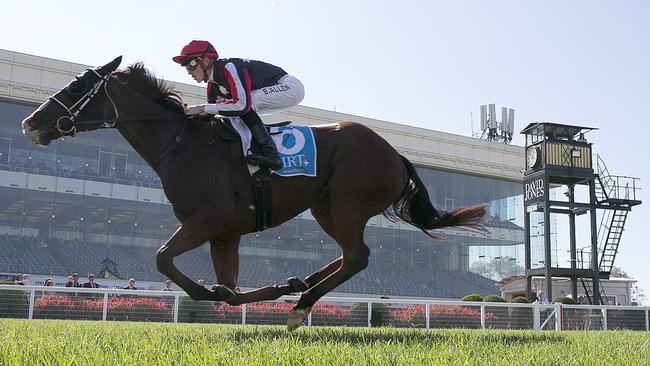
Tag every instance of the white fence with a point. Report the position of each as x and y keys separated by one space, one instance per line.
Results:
x=37 y=302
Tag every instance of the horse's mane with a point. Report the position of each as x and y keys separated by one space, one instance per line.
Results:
x=146 y=83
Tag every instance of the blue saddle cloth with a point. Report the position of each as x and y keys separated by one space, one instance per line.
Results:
x=297 y=149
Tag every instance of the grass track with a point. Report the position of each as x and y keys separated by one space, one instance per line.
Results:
x=53 y=342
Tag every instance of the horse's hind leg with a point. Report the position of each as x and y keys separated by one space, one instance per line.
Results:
x=323 y=272
x=349 y=227
x=323 y=215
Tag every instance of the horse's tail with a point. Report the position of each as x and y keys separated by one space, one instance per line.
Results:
x=415 y=207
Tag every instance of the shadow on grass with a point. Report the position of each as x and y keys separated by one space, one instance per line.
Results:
x=392 y=335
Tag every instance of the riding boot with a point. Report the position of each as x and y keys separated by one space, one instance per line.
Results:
x=269 y=156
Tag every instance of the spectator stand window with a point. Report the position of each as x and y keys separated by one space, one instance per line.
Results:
x=5 y=146
x=104 y=167
x=120 y=165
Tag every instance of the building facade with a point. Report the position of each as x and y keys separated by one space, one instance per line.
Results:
x=80 y=201
x=617 y=291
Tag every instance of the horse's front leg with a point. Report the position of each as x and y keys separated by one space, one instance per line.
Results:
x=225 y=258
x=294 y=284
x=192 y=233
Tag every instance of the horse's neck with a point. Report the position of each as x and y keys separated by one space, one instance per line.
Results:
x=152 y=138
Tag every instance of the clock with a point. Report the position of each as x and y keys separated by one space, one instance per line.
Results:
x=533 y=157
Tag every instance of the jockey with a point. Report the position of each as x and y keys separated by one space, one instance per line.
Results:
x=240 y=87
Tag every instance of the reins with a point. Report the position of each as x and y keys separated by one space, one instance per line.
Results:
x=74 y=111
x=177 y=140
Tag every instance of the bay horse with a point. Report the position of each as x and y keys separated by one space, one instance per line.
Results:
x=359 y=175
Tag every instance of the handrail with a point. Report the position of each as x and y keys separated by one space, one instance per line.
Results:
x=616 y=186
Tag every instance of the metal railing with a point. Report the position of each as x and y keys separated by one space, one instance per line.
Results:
x=615 y=186
x=37 y=302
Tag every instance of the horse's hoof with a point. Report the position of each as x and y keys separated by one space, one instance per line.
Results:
x=297 y=318
x=297 y=285
x=223 y=292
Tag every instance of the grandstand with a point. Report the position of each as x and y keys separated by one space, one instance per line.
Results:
x=67 y=207
x=57 y=257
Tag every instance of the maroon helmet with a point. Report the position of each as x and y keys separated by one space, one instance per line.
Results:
x=196 y=49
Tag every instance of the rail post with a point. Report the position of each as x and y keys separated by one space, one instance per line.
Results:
x=32 y=298
x=177 y=301
x=243 y=314
x=427 y=313
x=482 y=316
x=105 y=306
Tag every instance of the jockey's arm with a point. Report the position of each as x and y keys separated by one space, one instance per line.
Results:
x=213 y=109
x=239 y=90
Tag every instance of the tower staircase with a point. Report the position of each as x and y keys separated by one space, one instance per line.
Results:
x=619 y=194
x=616 y=195
x=609 y=247
x=589 y=289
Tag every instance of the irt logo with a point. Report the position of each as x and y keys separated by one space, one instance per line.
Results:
x=295 y=161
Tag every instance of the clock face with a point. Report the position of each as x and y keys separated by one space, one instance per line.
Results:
x=532 y=157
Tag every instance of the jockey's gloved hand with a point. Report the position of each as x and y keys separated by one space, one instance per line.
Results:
x=192 y=110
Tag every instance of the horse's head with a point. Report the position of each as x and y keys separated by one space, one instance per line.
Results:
x=72 y=108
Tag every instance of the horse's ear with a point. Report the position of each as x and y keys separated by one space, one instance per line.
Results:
x=111 y=66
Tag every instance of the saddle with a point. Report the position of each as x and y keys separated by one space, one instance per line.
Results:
x=221 y=128
x=214 y=128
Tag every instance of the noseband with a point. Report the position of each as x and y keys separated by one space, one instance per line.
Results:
x=74 y=110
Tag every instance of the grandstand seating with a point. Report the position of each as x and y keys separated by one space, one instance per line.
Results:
x=58 y=257
x=134 y=176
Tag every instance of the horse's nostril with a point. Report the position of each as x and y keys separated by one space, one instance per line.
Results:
x=29 y=123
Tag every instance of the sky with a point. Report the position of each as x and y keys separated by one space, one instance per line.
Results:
x=428 y=64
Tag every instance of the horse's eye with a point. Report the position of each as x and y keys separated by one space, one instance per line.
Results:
x=77 y=87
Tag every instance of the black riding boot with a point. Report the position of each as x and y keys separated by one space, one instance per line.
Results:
x=269 y=157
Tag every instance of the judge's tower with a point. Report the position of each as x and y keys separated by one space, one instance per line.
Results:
x=559 y=155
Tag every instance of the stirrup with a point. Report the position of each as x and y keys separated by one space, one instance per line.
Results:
x=264 y=161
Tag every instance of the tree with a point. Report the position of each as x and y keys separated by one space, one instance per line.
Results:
x=637 y=293
x=497 y=268
x=618 y=272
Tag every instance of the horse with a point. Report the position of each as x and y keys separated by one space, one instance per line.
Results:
x=359 y=175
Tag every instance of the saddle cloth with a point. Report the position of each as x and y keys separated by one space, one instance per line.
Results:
x=296 y=147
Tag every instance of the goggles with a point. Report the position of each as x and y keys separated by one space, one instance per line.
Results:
x=191 y=63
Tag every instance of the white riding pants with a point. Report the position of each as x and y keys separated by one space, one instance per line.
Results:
x=288 y=92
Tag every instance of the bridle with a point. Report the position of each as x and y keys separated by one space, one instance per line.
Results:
x=74 y=110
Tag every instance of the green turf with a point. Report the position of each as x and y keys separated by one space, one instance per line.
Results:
x=53 y=342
